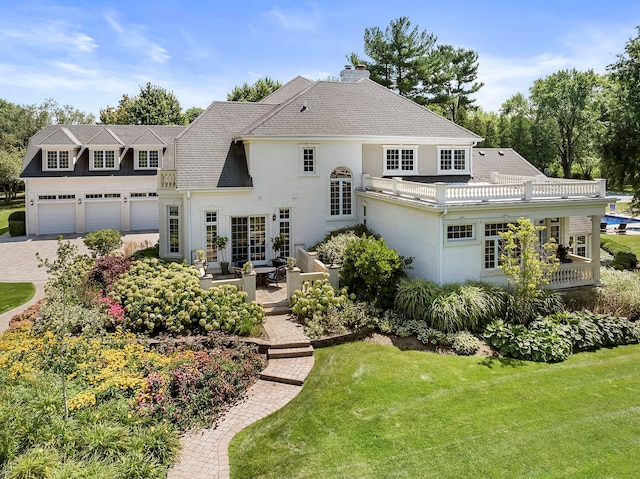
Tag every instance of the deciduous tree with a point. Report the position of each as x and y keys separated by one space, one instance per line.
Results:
x=255 y=92
x=152 y=106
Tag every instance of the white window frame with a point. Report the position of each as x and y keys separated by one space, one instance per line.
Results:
x=284 y=227
x=303 y=169
x=457 y=232
x=148 y=152
x=173 y=220
x=400 y=149
x=104 y=151
x=70 y=158
x=494 y=242
x=342 y=183
x=453 y=170
x=210 y=220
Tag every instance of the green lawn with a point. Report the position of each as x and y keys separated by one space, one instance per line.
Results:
x=631 y=240
x=13 y=295
x=371 y=411
x=6 y=209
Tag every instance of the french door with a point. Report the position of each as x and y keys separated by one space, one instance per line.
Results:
x=249 y=239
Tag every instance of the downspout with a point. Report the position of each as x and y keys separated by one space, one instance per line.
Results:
x=189 y=259
x=441 y=246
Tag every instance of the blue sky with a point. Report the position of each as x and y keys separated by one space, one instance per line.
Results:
x=89 y=53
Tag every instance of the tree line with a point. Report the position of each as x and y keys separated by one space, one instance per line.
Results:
x=571 y=123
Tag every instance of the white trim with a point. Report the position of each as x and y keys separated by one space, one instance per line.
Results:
x=136 y=161
x=116 y=159
x=453 y=170
x=301 y=153
x=400 y=149
x=45 y=158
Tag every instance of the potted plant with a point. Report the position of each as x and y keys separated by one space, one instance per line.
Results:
x=247 y=267
x=278 y=243
x=221 y=244
x=291 y=262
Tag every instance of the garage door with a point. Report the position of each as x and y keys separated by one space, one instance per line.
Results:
x=102 y=214
x=144 y=215
x=56 y=218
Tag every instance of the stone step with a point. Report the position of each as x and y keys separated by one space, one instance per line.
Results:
x=288 y=370
x=297 y=352
x=275 y=309
x=302 y=343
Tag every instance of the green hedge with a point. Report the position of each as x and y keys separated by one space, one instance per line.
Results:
x=623 y=257
x=17 y=224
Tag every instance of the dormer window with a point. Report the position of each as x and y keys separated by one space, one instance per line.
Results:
x=400 y=160
x=453 y=160
x=57 y=160
x=147 y=159
x=103 y=160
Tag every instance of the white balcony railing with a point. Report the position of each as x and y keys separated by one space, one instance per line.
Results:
x=167 y=179
x=569 y=275
x=523 y=188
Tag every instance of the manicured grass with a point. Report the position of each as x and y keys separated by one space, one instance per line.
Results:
x=6 y=209
x=13 y=295
x=371 y=411
x=631 y=240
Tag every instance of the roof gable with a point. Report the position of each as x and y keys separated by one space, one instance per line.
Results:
x=286 y=91
x=105 y=137
x=506 y=161
x=148 y=138
x=61 y=137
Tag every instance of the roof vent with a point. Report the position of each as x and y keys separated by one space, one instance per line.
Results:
x=500 y=152
x=481 y=152
x=304 y=107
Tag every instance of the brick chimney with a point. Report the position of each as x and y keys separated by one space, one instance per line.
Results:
x=350 y=75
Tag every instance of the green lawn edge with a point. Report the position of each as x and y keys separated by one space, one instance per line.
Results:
x=370 y=411
x=13 y=295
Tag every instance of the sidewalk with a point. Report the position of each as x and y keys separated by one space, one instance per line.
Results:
x=205 y=454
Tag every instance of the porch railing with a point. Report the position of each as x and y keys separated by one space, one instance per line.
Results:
x=574 y=274
x=523 y=189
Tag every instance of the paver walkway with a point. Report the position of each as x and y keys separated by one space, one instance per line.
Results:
x=205 y=454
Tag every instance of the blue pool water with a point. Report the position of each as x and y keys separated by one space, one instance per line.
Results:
x=616 y=220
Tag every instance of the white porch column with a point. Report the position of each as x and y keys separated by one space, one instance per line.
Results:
x=595 y=247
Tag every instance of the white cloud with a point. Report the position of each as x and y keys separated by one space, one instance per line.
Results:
x=294 y=20
x=133 y=38
x=53 y=34
x=581 y=48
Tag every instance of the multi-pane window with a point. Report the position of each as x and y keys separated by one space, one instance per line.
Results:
x=104 y=159
x=148 y=159
x=58 y=160
x=400 y=160
x=308 y=160
x=456 y=232
x=453 y=159
x=579 y=245
x=211 y=235
x=173 y=216
x=248 y=239
x=340 y=192
x=493 y=243
x=551 y=230
x=284 y=228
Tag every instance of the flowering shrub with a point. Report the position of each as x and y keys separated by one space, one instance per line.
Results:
x=108 y=269
x=160 y=298
x=315 y=298
x=196 y=387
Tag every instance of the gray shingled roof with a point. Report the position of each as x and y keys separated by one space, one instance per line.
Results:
x=58 y=135
x=502 y=160
x=362 y=108
x=287 y=90
x=207 y=155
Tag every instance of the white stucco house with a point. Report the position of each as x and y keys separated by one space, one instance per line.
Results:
x=316 y=156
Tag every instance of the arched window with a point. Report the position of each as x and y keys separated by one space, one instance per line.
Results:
x=341 y=196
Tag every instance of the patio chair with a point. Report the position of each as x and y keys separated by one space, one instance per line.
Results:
x=277 y=276
x=237 y=272
x=603 y=227
x=621 y=229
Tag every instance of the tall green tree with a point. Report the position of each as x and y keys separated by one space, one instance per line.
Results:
x=485 y=124
x=192 y=113
x=10 y=166
x=255 y=92
x=621 y=143
x=408 y=60
x=400 y=56
x=572 y=103
x=453 y=80
x=154 y=105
